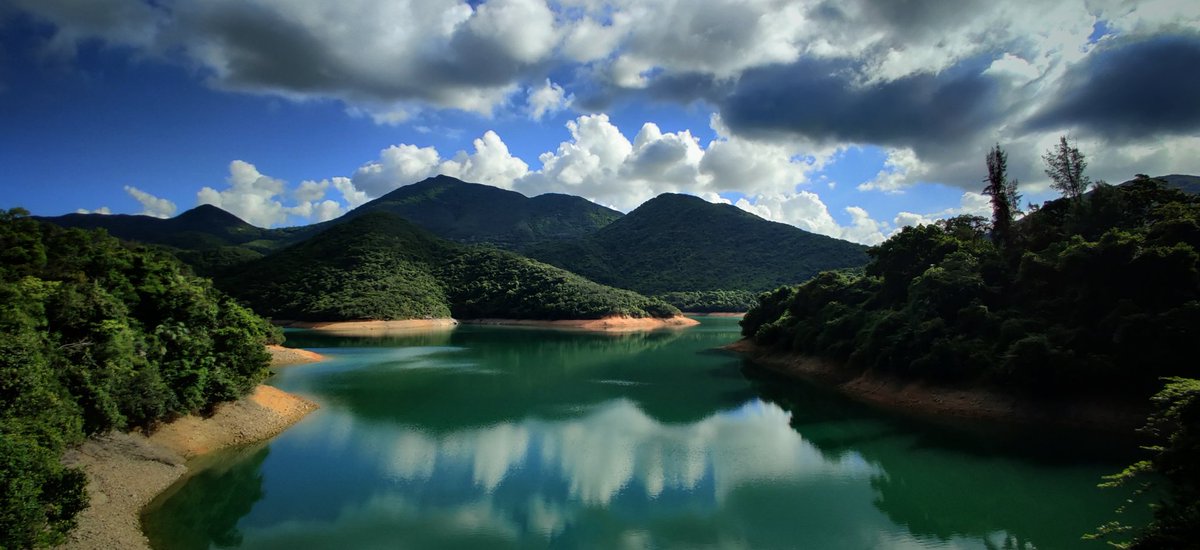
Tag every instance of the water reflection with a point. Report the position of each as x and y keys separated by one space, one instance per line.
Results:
x=493 y=438
x=204 y=512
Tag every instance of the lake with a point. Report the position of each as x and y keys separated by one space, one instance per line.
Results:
x=506 y=437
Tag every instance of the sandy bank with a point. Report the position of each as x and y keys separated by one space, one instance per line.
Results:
x=606 y=324
x=948 y=403
x=126 y=471
x=283 y=357
x=371 y=328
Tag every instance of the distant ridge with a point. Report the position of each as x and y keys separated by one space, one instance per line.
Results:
x=679 y=242
x=1182 y=182
x=205 y=226
x=475 y=213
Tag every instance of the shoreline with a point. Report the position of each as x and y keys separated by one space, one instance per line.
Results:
x=404 y=326
x=127 y=471
x=371 y=328
x=944 y=403
x=604 y=324
x=715 y=314
x=286 y=357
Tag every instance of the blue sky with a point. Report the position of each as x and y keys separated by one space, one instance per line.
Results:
x=849 y=120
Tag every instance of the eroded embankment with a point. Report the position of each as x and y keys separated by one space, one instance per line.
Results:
x=127 y=470
x=1093 y=414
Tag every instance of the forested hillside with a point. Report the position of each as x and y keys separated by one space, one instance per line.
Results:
x=97 y=335
x=379 y=266
x=1095 y=294
x=472 y=213
x=678 y=243
x=671 y=244
x=205 y=237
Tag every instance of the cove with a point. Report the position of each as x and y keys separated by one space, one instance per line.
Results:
x=507 y=437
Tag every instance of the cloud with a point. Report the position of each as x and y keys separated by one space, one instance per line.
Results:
x=403 y=164
x=151 y=205
x=310 y=190
x=102 y=210
x=490 y=164
x=900 y=169
x=388 y=59
x=822 y=101
x=599 y=163
x=1132 y=90
x=970 y=204
x=256 y=198
x=547 y=100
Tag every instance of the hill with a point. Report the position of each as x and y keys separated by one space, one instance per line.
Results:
x=206 y=237
x=201 y=228
x=473 y=213
x=98 y=335
x=1094 y=295
x=380 y=266
x=684 y=243
x=1185 y=183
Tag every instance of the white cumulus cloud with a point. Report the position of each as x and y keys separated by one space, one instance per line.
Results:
x=151 y=205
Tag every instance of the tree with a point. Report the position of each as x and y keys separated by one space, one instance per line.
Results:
x=1065 y=165
x=1176 y=448
x=1004 y=196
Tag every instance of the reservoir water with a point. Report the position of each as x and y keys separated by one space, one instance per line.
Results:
x=505 y=437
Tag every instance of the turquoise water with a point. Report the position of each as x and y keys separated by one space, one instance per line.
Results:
x=496 y=437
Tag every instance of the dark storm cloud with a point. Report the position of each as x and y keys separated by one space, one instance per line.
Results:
x=821 y=101
x=1131 y=90
x=265 y=50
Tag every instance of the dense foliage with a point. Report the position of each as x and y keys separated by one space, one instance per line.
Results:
x=379 y=266
x=1096 y=293
x=94 y=336
x=710 y=301
x=678 y=243
x=485 y=283
x=1174 y=428
x=374 y=267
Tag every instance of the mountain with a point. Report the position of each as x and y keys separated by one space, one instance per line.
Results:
x=684 y=243
x=474 y=213
x=379 y=266
x=1185 y=183
x=205 y=237
x=202 y=227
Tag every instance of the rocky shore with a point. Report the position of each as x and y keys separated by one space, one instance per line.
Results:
x=127 y=470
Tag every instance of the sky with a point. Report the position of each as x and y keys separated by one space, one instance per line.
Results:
x=850 y=118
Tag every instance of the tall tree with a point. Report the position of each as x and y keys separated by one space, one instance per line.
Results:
x=1065 y=165
x=1004 y=196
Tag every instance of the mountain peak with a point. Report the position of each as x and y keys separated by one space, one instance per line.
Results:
x=473 y=212
x=210 y=213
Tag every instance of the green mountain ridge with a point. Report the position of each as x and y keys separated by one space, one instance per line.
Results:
x=474 y=213
x=683 y=243
x=670 y=244
x=380 y=266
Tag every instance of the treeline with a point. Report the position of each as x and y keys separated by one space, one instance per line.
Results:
x=711 y=301
x=1095 y=293
x=380 y=266
x=97 y=335
x=488 y=283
